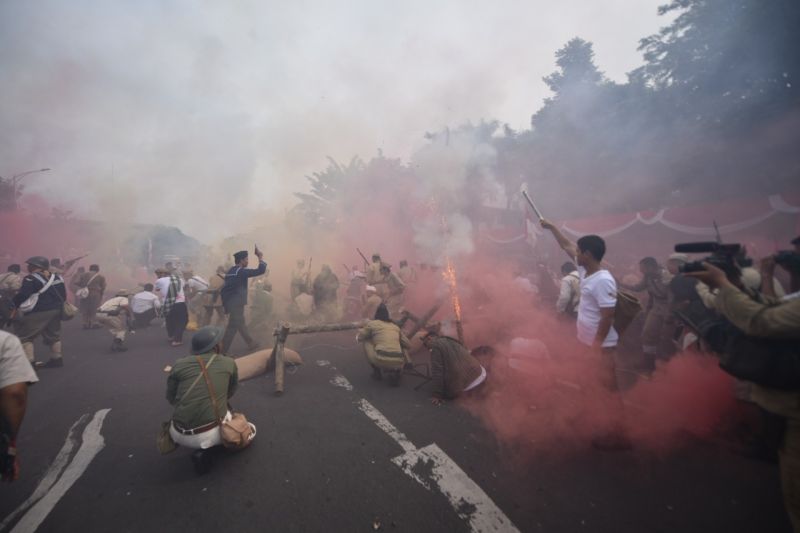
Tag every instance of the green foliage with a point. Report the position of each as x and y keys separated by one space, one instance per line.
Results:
x=714 y=111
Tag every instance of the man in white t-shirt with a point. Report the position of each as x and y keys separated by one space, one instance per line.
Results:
x=169 y=288
x=598 y=290
x=595 y=322
x=16 y=374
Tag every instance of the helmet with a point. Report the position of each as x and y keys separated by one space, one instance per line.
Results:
x=205 y=339
x=39 y=261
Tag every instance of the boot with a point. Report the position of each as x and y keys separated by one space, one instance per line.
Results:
x=393 y=377
x=52 y=363
x=201 y=460
x=56 y=361
x=27 y=347
x=118 y=346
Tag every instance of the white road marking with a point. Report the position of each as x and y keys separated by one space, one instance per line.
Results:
x=93 y=442
x=51 y=476
x=431 y=467
x=341 y=381
x=383 y=423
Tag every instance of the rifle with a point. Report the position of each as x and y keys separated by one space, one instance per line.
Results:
x=366 y=263
x=69 y=263
x=308 y=273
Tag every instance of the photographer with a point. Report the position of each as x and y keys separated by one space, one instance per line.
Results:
x=774 y=320
x=789 y=260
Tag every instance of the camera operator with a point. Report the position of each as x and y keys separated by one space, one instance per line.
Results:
x=774 y=321
x=789 y=260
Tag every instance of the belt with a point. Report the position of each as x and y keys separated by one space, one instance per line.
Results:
x=195 y=431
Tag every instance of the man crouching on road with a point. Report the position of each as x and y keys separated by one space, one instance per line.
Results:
x=454 y=370
x=194 y=421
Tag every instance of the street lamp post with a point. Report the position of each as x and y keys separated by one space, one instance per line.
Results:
x=18 y=177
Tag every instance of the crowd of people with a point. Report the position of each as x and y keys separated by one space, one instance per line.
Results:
x=682 y=299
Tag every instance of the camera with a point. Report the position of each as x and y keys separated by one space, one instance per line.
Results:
x=788 y=259
x=723 y=256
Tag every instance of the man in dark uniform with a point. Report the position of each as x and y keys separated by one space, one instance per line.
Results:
x=44 y=318
x=234 y=297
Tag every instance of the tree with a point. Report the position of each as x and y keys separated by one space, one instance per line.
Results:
x=726 y=60
x=576 y=68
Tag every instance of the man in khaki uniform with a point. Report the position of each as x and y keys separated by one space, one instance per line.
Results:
x=384 y=345
x=407 y=273
x=114 y=314
x=213 y=301
x=10 y=281
x=773 y=321
x=300 y=279
x=392 y=288
x=95 y=283
x=371 y=302
x=374 y=270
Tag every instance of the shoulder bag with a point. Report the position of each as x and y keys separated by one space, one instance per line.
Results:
x=236 y=433
x=83 y=292
x=28 y=305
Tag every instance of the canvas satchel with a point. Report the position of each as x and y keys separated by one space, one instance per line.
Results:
x=83 y=292
x=236 y=433
x=28 y=305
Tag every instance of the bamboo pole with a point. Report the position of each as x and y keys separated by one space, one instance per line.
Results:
x=423 y=320
x=280 y=339
x=324 y=328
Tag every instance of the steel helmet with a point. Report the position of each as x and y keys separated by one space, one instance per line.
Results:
x=205 y=339
x=39 y=262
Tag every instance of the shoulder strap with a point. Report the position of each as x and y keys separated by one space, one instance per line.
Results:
x=210 y=388
x=47 y=284
x=196 y=380
x=92 y=278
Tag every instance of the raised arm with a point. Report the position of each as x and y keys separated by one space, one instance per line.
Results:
x=567 y=245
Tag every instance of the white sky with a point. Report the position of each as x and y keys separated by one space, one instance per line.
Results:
x=197 y=113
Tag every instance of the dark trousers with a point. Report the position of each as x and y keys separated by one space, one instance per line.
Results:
x=235 y=324
x=142 y=320
x=176 y=321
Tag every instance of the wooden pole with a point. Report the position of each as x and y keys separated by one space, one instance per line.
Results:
x=424 y=318
x=324 y=328
x=280 y=339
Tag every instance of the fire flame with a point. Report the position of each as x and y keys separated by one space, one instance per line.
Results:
x=449 y=275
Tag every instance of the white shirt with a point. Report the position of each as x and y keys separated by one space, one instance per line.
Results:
x=197 y=283
x=14 y=366
x=144 y=301
x=162 y=287
x=598 y=291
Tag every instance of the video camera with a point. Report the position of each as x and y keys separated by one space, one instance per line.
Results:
x=723 y=256
x=788 y=259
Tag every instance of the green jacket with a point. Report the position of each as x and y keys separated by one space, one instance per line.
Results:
x=773 y=320
x=197 y=409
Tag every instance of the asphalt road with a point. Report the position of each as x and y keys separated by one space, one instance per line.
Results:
x=324 y=461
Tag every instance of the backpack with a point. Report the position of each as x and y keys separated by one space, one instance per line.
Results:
x=628 y=306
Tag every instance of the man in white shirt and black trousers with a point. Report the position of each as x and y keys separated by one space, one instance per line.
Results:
x=595 y=324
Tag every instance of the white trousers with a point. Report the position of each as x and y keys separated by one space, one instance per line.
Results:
x=204 y=440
